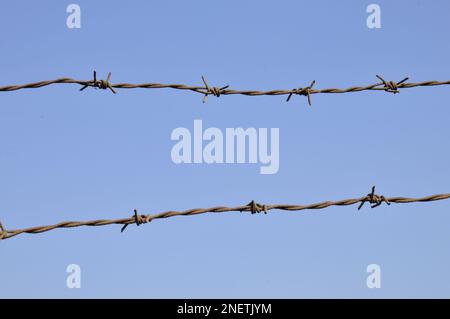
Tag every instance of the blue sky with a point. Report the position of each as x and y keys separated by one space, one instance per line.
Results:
x=70 y=155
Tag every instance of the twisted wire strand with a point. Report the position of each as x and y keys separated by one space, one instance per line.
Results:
x=252 y=207
x=387 y=86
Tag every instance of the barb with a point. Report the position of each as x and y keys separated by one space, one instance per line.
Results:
x=303 y=91
x=254 y=208
x=251 y=207
x=216 y=91
x=386 y=86
x=3 y=232
x=374 y=199
x=139 y=219
x=102 y=84
x=391 y=86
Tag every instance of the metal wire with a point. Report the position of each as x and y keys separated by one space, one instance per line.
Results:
x=252 y=207
x=206 y=90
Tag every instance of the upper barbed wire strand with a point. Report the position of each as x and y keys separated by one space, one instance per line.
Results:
x=387 y=86
x=252 y=207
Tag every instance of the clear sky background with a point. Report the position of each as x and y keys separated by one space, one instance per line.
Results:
x=70 y=155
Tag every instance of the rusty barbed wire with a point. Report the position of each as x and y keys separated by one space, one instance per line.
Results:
x=206 y=90
x=252 y=207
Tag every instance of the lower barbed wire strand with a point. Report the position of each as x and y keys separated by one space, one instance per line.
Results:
x=251 y=207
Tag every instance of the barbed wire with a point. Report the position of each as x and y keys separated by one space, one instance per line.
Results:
x=206 y=90
x=252 y=207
